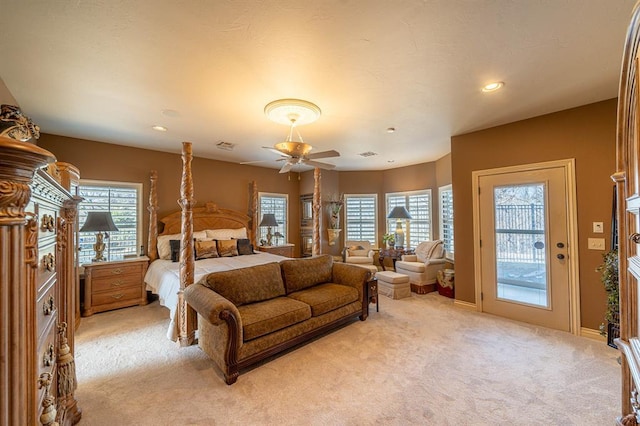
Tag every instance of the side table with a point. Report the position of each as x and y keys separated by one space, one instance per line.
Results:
x=285 y=250
x=394 y=254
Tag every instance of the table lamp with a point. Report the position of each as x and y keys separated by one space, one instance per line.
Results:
x=268 y=220
x=99 y=222
x=399 y=213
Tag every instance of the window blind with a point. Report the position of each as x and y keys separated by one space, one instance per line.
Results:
x=360 y=217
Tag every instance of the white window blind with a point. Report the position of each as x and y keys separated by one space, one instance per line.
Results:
x=360 y=217
x=418 y=203
x=123 y=200
x=276 y=204
x=446 y=218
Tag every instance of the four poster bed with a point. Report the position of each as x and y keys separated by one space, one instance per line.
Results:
x=168 y=278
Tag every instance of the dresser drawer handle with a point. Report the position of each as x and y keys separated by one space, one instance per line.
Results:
x=116 y=271
x=117 y=296
x=49 y=262
x=49 y=356
x=116 y=283
x=48 y=306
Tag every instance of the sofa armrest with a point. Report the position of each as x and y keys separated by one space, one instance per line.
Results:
x=210 y=304
x=409 y=258
x=351 y=275
x=441 y=261
x=371 y=254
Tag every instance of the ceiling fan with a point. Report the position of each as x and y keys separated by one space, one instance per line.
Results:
x=296 y=111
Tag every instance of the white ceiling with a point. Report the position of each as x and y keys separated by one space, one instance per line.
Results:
x=108 y=70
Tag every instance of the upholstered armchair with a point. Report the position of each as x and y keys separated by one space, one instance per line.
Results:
x=358 y=252
x=422 y=267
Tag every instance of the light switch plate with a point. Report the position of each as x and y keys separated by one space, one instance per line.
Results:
x=598 y=227
x=596 y=243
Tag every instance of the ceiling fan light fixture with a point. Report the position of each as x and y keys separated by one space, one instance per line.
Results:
x=288 y=111
x=295 y=149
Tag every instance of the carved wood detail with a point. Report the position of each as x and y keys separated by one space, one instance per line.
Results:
x=186 y=316
x=152 y=243
x=317 y=209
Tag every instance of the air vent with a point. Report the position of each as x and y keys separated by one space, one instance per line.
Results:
x=368 y=154
x=227 y=146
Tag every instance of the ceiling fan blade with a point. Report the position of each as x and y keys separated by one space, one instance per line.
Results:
x=287 y=166
x=323 y=154
x=319 y=165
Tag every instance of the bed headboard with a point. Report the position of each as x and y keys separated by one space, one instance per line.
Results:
x=208 y=217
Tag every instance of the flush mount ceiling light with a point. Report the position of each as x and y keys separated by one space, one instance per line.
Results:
x=159 y=128
x=492 y=87
x=287 y=111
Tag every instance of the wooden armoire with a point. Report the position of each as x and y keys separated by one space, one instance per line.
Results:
x=38 y=279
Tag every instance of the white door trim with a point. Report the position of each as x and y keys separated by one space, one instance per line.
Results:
x=572 y=231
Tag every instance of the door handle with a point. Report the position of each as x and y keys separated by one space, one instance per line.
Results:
x=560 y=256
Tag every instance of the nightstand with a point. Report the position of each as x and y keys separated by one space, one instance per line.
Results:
x=113 y=285
x=282 y=250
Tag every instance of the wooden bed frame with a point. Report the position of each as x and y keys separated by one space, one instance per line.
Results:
x=190 y=219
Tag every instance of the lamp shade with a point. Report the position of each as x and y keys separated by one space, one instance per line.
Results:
x=268 y=219
x=99 y=222
x=399 y=212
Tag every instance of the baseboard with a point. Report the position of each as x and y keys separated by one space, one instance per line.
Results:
x=465 y=305
x=592 y=334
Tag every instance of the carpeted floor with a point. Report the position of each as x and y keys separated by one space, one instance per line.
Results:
x=419 y=360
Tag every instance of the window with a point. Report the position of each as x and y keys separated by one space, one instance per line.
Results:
x=418 y=203
x=276 y=204
x=446 y=218
x=360 y=217
x=123 y=200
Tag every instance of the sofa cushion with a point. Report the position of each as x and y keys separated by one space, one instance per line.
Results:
x=359 y=259
x=247 y=285
x=411 y=266
x=261 y=318
x=326 y=297
x=306 y=272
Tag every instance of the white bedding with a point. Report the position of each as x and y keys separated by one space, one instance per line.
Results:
x=163 y=277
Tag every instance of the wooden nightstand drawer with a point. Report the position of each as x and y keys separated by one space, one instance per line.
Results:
x=123 y=295
x=115 y=284
x=106 y=270
x=283 y=250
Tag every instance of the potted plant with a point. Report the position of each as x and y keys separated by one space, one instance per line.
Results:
x=389 y=240
x=609 y=277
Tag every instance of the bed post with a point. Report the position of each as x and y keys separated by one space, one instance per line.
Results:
x=152 y=241
x=185 y=315
x=315 y=250
x=253 y=213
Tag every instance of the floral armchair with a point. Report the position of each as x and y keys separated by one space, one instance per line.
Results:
x=423 y=266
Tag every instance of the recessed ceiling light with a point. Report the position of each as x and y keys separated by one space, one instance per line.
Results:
x=391 y=161
x=492 y=87
x=159 y=128
x=391 y=129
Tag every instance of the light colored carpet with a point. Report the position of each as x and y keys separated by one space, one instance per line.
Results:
x=419 y=360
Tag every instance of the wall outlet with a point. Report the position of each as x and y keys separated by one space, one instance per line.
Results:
x=596 y=243
x=598 y=227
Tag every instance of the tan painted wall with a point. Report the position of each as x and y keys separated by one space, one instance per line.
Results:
x=5 y=95
x=224 y=183
x=587 y=134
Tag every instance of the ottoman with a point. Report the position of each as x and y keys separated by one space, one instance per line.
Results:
x=393 y=285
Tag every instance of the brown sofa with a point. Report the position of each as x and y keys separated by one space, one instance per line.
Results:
x=246 y=315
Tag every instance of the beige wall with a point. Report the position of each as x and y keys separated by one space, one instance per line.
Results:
x=5 y=95
x=587 y=134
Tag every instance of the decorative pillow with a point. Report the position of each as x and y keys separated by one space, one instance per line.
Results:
x=227 y=248
x=226 y=234
x=175 y=250
x=358 y=251
x=244 y=246
x=164 y=246
x=206 y=249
